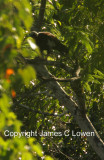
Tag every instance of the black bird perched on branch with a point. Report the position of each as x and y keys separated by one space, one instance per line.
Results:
x=47 y=41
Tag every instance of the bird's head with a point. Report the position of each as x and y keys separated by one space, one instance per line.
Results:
x=33 y=34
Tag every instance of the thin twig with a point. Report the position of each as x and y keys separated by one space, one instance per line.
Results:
x=42 y=61
x=69 y=158
x=61 y=79
x=43 y=113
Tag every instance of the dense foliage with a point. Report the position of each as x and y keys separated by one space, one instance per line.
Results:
x=26 y=103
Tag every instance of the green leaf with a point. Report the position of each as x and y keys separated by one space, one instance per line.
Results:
x=48 y=158
x=27 y=74
x=96 y=81
x=2 y=121
x=24 y=9
x=87 y=87
x=37 y=148
x=89 y=78
x=83 y=37
x=27 y=156
x=98 y=74
x=4 y=103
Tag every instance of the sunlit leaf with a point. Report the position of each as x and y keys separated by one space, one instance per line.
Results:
x=98 y=74
x=85 y=41
x=4 y=103
x=37 y=148
x=87 y=87
x=27 y=156
x=48 y=158
x=31 y=43
x=27 y=74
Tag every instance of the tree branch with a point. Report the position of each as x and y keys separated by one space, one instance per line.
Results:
x=69 y=158
x=83 y=122
x=35 y=111
x=42 y=61
x=61 y=79
x=41 y=15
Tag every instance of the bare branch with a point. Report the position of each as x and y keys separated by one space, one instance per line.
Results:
x=61 y=79
x=69 y=158
x=42 y=61
x=43 y=113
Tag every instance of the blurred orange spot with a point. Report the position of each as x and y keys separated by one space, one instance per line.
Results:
x=9 y=72
x=13 y=93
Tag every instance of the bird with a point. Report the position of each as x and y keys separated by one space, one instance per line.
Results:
x=47 y=41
